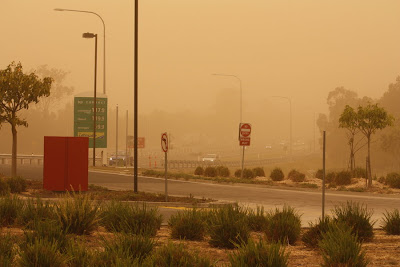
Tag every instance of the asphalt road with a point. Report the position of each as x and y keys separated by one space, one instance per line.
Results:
x=308 y=203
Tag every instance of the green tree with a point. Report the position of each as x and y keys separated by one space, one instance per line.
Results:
x=348 y=120
x=370 y=119
x=17 y=92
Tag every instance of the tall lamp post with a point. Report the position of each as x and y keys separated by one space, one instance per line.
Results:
x=104 y=41
x=135 y=101
x=92 y=35
x=290 y=105
x=240 y=116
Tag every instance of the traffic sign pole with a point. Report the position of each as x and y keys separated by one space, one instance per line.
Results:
x=244 y=140
x=164 y=147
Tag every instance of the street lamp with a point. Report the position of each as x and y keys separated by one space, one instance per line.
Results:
x=240 y=86
x=92 y=35
x=290 y=104
x=104 y=37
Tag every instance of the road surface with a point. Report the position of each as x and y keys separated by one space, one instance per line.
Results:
x=308 y=203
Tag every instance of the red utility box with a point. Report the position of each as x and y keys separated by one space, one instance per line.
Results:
x=65 y=166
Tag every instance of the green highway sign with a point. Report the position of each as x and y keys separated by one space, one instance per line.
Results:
x=83 y=120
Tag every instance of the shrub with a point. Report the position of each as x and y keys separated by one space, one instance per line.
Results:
x=222 y=171
x=257 y=219
x=247 y=173
x=357 y=217
x=238 y=173
x=393 y=180
x=131 y=218
x=210 y=172
x=382 y=180
x=319 y=174
x=391 y=222
x=296 y=176
x=343 y=178
x=277 y=174
x=199 y=171
x=339 y=247
x=314 y=234
x=176 y=255
x=17 y=184
x=284 y=226
x=359 y=172
x=42 y=253
x=188 y=224
x=77 y=213
x=10 y=207
x=7 y=250
x=258 y=171
x=35 y=210
x=4 y=187
x=227 y=226
x=259 y=254
x=330 y=177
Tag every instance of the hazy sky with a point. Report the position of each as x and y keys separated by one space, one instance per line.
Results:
x=300 y=49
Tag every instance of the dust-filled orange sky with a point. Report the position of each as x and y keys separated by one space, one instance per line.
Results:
x=300 y=49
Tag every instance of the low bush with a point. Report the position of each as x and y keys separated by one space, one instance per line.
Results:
x=248 y=174
x=258 y=171
x=42 y=252
x=17 y=184
x=277 y=174
x=359 y=172
x=343 y=178
x=222 y=171
x=339 y=247
x=391 y=222
x=382 y=180
x=210 y=172
x=393 y=180
x=313 y=235
x=77 y=213
x=259 y=254
x=258 y=219
x=227 y=226
x=330 y=177
x=199 y=171
x=176 y=255
x=296 y=176
x=10 y=208
x=188 y=224
x=7 y=250
x=357 y=217
x=49 y=230
x=4 y=187
x=238 y=173
x=131 y=218
x=319 y=174
x=284 y=225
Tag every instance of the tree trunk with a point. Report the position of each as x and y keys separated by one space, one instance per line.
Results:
x=369 y=162
x=14 y=151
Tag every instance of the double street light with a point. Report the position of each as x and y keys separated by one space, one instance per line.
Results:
x=92 y=35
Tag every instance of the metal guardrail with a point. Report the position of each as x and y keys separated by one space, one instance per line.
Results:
x=32 y=159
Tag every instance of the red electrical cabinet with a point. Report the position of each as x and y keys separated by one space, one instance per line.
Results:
x=65 y=166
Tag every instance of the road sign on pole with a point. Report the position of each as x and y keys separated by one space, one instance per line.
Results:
x=164 y=142
x=164 y=147
x=244 y=134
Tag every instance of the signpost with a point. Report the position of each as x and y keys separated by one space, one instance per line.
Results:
x=244 y=139
x=164 y=147
x=84 y=118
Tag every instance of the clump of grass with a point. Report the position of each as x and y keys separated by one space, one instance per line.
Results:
x=259 y=254
x=4 y=187
x=314 y=234
x=227 y=226
x=42 y=252
x=131 y=218
x=10 y=207
x=176 y=255
x=79 y=255
x=35 y=210
x=339 y=247
x=7 y=250
x=284 y=225
x=357 y=217
x=17 y=184
x=258 y=219
x=391 y=222
x=77 y=213
x=188 y=224
x=277 y=174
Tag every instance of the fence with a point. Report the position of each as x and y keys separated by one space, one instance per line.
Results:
x=34 y=159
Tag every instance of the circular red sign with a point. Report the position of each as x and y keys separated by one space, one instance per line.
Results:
x=164 y=142
x=245 y=130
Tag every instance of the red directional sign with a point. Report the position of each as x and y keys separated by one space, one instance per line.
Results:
x=164 y=142
x=244 y=134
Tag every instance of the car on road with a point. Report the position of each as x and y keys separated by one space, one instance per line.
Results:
x=121 y=159
x=210 y=157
